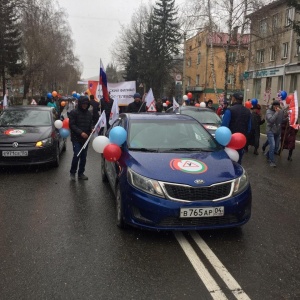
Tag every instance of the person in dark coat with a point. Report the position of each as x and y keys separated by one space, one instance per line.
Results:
x=209 y=105
x=107 y=106
x=137 y=105
x=238 y=119
x=96 y=108
x=256 y=121
x=81 y=123
x=288 y=138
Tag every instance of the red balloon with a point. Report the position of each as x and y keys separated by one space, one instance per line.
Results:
x=190 y=95
x=237 y=141
x=66 y=123
x=197 y=104
x=112 y=152
x=289 y=98
x=248 y=104
x=167 y=102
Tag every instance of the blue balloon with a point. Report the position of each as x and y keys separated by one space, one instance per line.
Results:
x=283 y=95
x=49 y=95
x=118 y=135
x=254 y=101
x=223 y=135
x=74 y=95
x=64 y=132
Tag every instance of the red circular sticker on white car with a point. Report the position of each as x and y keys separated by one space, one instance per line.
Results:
x=188 y=165
x=14 y=132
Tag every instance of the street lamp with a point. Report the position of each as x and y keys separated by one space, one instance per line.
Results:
x=184 y=63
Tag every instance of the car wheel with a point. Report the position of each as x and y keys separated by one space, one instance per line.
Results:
x=119 y=208
x=57 y=158
x=103 y=174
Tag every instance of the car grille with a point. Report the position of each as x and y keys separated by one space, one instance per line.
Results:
x=20 y=145
x=187 y=193
x=210 y=221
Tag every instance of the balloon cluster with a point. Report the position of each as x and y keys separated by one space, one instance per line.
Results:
x=231 y=141
x=110 y=147
x=63 y=127
x=250 y=104
x=289 y=99
x=75 y=95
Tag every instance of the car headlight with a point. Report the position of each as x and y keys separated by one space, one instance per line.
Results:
x=44 y=143
x=145 y=184
x=241 y=183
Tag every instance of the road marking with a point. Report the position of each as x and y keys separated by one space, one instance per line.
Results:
x=220 y=268
x=202 y=272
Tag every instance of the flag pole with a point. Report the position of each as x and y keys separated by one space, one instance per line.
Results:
x=87 y=141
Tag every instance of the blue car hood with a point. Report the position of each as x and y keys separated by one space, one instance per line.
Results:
x=184 y=168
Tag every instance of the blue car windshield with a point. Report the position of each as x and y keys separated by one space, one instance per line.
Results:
x=169 y=134
x=25 y=118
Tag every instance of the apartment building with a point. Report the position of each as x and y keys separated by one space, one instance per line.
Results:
x=274 y=60
x=205 y=48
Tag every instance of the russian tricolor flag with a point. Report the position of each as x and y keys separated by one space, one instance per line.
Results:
x=103 y=82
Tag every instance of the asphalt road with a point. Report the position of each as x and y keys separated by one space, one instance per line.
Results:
x=58 y=240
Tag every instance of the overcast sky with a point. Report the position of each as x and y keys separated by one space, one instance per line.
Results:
x=95 y=25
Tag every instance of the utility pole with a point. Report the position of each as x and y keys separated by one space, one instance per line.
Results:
x=184 y=64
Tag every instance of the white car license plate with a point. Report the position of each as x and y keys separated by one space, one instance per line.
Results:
x=202 y=212
x=14 y=153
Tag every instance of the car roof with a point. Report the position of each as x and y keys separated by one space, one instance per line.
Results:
x=156 y=116
x=30 y=107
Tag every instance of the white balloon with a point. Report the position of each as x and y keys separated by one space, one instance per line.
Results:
x=185 y=97
x=58 y=124
x=202 y=104
x=232 y=153
x=100 y=142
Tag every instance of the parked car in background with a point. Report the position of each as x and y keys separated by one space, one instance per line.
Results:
x=208 y=118
x=28 y=136
x=173 y=175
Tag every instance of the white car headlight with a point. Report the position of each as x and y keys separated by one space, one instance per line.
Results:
x=241 y=183
x=44 y=143
x=145 y=184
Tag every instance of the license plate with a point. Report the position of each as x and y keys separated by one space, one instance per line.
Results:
x=14 y=153
x=202 y=212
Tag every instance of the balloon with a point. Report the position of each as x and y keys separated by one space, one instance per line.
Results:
x=190 y=95
x=112 y=152
x=197 y=104
x=54 y=93
x=185 y=97
x=118 y=135
x=74 y=95
x=77 y=95
x=167 y=102
x=233 y=154
x=248 y=104
x=100 y=142
x=165 y=105
x=237 y=141
x=283 y=95
x=64 y=132
x=289 y=98
x=66 y=123
x=202 y=104
x=223 y=135
x=254 y=102
x=62 y=103
x=58 y=124
x=49 y=95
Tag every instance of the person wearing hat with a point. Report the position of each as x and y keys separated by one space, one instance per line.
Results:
x=210 y=105
x=222 y=108
x=256 y=121
x=137 y=105
x=273 y=128
x=238 y=119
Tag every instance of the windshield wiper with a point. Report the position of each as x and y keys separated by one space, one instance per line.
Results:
x=143 y=149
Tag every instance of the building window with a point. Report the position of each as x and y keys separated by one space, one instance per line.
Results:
x=232 y=57
x=293 y=86
x=189 y=81
x=263 y=26
x=189 y=62
x=198 y=58
x=191 y=48
x=268 y=83
x=298 y=48
x=288 y=16
x=197 y=79
x=260 y=56
x=272 y=53
x=280 y=83
x=275 y=21
x=230 y=79
x=285 y=50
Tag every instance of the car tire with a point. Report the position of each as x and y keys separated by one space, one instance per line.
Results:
x=119 y=208
x=103 y=174
x=57 y=158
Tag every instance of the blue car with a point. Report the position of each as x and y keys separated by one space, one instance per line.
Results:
x=173 y=175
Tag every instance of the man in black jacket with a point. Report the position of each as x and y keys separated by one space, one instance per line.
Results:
x=96 y=108
x=137 y=105
x=81 y=123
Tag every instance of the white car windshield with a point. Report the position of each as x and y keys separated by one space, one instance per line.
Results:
x=169 y=134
